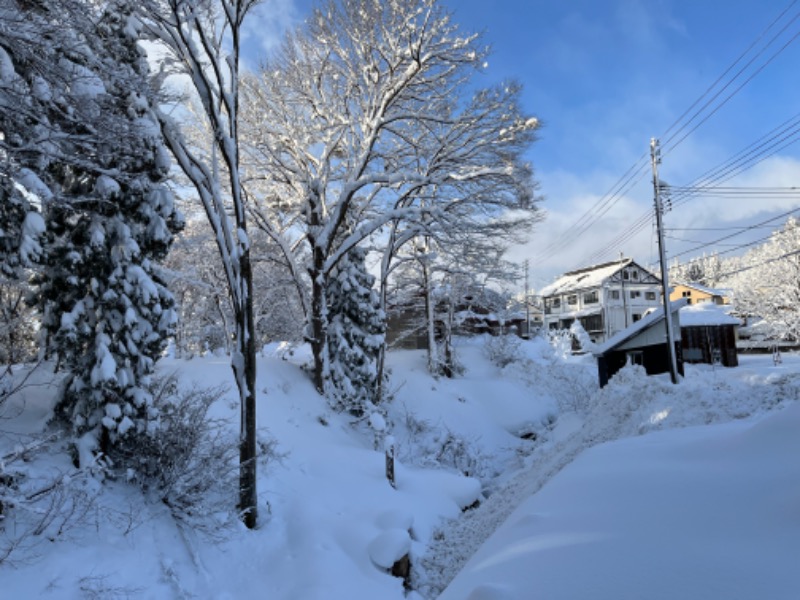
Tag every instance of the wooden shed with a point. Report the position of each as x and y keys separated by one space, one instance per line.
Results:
x=708 y=335
x=643 y=343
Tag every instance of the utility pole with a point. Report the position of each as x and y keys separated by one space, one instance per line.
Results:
x=655 y=159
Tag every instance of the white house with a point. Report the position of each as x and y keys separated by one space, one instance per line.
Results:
x=605 y=298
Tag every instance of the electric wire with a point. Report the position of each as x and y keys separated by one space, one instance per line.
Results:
x=740 y=161
x=667 y=148
x=729 y=236
x=759 y=264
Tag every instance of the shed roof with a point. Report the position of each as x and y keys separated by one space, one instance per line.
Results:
x=646 y=322
x=705 y=314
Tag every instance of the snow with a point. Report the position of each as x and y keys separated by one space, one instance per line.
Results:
x=106 y=187
x=106 y=367
x=7 y=71
x=706 y=313
x=584 y=278
x=32 y=228
x=648 y=320
x=389 y=547
x=640 y=490
x=702 y=512
x=34 y=188
x=377 y=422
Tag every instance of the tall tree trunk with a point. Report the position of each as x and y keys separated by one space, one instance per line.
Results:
x=381 y=360
x=318 y=320
x=246 y=380
x=430 y=319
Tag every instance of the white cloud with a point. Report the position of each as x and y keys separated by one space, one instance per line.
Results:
x=569 y=197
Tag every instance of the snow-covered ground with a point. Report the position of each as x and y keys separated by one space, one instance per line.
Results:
x=699 y=498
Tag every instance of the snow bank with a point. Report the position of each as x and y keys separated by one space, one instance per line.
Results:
x=693 y=513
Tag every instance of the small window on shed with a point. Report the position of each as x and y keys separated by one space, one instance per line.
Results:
x=636 y=357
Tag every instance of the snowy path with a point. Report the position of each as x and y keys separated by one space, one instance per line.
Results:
x=633 y=406
x=461 y=538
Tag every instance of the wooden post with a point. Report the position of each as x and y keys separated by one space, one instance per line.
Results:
x=390 y=461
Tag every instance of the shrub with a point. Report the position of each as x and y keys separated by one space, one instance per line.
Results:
x=503 y=350
x=186 y=459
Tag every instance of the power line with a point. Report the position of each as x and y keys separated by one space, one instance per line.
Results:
x=727 y=237
x=760 y=264
x=745 y=159
x=735 y=77
x=737 y=228
x=725 y=73
x=680 y=195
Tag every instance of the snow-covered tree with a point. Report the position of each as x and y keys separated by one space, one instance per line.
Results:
x=362 y=121
x=197 y=280
x=767 y=283
x=18 y=323
x=87 y=154
x=202 y=40
x=706 y=270
x=21 y=224
x=356 y=327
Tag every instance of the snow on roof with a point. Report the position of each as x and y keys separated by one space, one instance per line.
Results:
x=584 y=312
x=706 y=313
x=585 y=278
x=645 y=322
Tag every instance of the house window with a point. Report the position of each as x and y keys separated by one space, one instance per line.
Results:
x=590 y=297
x=615 y=294
x=636 y=357
x=572 y=299
x=649 y=295
x=626 y=275
x=635 y=275
x=636 y=317
x=556 y=302
x=592 y=323
x=636 y=294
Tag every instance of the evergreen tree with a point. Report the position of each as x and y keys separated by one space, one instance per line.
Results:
x=86 y=148
x=356 y=327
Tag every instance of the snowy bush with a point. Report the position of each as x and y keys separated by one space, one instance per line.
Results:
x=186 y=459
x=503 y=350
x=429 y=445
x=38 y=507
x=581 y=337
x=561 y=340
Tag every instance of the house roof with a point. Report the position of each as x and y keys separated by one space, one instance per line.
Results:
x=646 y=322
x=704 y=289
x=704 y=314
x=588 y=277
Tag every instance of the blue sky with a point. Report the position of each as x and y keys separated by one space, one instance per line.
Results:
x=605 y=77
